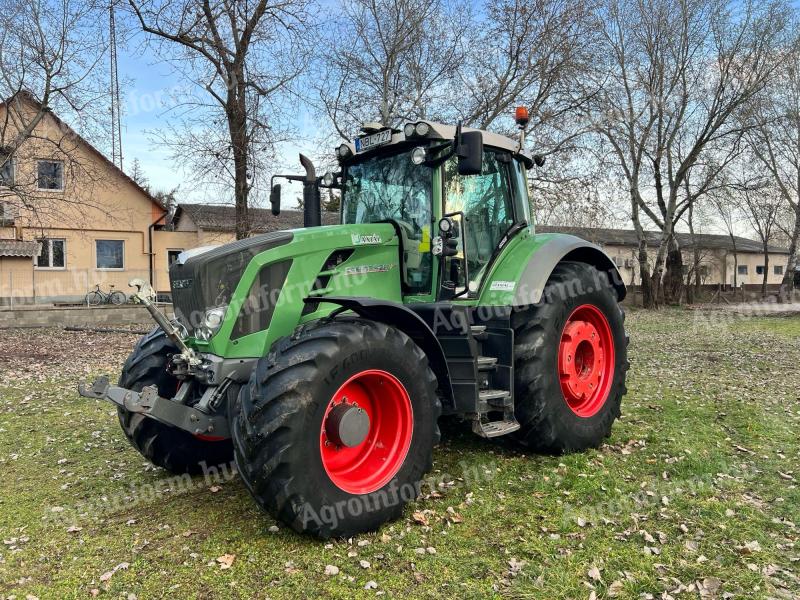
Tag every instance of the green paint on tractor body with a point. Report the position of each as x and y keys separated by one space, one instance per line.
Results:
x=372 y=270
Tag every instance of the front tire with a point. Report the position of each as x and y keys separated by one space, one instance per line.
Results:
x=293 y=453
x=570 y=362
x=168 y=447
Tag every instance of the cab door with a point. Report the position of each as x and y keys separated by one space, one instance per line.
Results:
x=483 y=210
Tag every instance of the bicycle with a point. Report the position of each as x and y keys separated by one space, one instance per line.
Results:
x=97 y=297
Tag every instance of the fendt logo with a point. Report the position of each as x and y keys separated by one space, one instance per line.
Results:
x=359 y=239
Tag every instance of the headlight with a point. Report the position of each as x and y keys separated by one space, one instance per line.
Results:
x=408 y=130
x=213 y=318
x=418 y=155
x=422 y=129
x=328 y=179
x=343 y=151
x=212 y=321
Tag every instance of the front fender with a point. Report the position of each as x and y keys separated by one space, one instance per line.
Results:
x=521 y=274
x=407 y=321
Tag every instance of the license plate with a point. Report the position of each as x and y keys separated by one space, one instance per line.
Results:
x=372 y=140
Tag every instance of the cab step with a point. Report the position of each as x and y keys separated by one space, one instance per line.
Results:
x=479 y=332
x=495 y=400
x=486 y=363
x=491 y=429
x=492 y=396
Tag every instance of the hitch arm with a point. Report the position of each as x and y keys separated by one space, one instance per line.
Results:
x=147 y=402
x=145 y=295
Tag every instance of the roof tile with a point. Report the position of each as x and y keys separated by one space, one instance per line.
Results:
x=19 y=248
x=220 y=217
x=627 y=237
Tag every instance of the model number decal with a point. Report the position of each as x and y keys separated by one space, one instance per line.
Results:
x=502 y=286
x=360 y=239
x=364 y=269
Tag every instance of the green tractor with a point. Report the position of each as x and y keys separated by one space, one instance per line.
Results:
x=322 y=358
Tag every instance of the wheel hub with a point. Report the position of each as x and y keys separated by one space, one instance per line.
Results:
x=581 y=359
x=347 y=425
x=366 y=431
x=586 y=360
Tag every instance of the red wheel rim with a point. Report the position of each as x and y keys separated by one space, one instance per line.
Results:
x=372 y=463
x=586 y=360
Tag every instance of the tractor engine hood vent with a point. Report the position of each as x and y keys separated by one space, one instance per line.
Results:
x=208 y=279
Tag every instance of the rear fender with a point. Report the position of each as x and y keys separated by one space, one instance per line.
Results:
x=519 y=278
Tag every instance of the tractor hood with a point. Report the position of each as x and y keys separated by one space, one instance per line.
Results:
x=292 y=265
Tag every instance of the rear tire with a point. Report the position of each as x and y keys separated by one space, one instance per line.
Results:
x=118 y=298
x=282 y=445
x=170 y=448
x=559 y=412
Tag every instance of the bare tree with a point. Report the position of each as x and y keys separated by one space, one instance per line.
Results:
x=762 y=204
x=729 y=213
x=388 y=61
x=137 y=173
x=678 y=74
x=242 y=57
x=51 y=59
x=528 y=53
x=775 y=141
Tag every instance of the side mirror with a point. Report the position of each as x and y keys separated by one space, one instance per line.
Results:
x=275 y=199
x=470 y=153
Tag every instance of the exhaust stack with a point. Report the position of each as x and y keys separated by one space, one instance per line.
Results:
x=312 y=216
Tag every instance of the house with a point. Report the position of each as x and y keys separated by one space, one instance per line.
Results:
x=89 y=222
x=720 y=255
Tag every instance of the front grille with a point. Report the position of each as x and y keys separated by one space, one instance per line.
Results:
x=209 y=279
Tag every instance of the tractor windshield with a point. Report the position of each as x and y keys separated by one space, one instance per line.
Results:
x=393 y=188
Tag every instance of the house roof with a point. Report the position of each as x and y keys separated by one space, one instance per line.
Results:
x=627 y=237
x=222 y=217
x=19 y=248
x=29 y=97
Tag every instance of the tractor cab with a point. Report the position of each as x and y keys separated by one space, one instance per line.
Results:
x=451 y=194
x=454 y=196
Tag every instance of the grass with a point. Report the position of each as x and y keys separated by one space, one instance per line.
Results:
x=695 y=493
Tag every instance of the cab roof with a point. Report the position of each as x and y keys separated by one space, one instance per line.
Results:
x=440 y=131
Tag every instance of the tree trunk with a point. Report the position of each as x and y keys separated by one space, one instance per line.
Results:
x=690 y=289
x=237 y=124
x=673 y=280
x=766 y=272
x=648 y=294
x=787 y=283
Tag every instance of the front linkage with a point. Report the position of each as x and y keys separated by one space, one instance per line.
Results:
x=202 y=419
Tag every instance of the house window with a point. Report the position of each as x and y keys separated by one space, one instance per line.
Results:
x=172 y=256
x=51 y=255
x=110 y=254
x=777 y=269
x=760 y=270
x=50 y=175
x=742 y=270
x=8 y=213
x=6 y=170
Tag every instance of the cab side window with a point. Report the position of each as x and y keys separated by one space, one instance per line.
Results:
x=487 y=203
